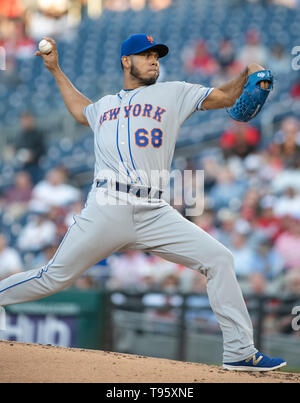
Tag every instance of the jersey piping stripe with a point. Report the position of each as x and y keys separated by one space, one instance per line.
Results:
x=129 y=139
x=120 y=155
x=42 y=271
x=96 y=140
x=203 y=97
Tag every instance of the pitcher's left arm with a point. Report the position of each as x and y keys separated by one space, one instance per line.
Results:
x=229 y=94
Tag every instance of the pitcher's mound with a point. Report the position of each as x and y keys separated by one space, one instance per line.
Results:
x=21 y=362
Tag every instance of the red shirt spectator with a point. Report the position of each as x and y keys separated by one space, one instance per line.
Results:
x=21 y=191
x=15 y=40
x=288 y=244
x=240 y=139
x=295 y=90
x=11 y=8
x=267 y=222
x=201 y=60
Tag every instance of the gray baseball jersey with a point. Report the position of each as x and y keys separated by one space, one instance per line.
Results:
x=136 y=130
x=135 y=135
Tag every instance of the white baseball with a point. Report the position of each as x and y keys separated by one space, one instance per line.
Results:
x=45 y=46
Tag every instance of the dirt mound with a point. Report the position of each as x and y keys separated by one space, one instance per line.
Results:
x=22 y=362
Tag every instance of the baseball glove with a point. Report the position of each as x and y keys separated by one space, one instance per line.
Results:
x=249 y=104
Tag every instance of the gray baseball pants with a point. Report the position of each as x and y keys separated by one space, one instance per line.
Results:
x=104 y=227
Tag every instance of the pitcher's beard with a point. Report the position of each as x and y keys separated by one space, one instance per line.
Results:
x=144 y=81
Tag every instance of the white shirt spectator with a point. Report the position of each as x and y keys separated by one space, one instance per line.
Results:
x=253 y=51
x=242 y=253
x=289 y=178
x=128 y=269
x=41 y=25
x=55 y=195
x=38 y=233
x=75 y=209
x=10 y=263
x=53 y=191
x=287 y=205
x=10 y=260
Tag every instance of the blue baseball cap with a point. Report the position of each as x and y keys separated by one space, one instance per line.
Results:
x=140 y=42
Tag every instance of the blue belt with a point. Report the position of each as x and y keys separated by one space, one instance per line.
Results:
x=136 y=191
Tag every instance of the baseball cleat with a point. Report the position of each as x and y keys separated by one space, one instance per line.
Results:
x=257 y=362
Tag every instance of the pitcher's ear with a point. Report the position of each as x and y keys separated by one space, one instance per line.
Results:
x=125 y=62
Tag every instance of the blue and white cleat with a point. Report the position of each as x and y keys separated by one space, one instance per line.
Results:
x=257 y=362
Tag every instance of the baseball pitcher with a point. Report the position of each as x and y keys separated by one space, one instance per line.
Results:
x=135 y=132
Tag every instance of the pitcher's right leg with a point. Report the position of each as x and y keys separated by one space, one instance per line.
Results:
x=95 y=234
x=176 y=239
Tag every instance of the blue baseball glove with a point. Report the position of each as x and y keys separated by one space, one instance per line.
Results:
x=249 y=104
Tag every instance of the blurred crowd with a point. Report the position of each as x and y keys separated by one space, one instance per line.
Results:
x=251 y=205
x=24 y=23
x=228 y=61
x=251 y=184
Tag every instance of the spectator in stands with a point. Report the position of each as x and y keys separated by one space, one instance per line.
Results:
x=46 y=254
x=8 y=70
x=295 y=89
x=252 y=167
x=268 y=269
x=17 y=44
x=11 y=9
x=292 y=281
x=243 y=257
x=10 y=260
x=239 y=139
x=226 y=54
x=54 y=191
x=266 y=222
x=287 y=3
x=288 y=248
x=17 y=197
x=159 y=268
x=206 y=222
x=253 y=50
x=210 y=166
x=226 y=219
x=137 y=5
x=25 y=45
x=38 y=232
x=157 y=5
x=117 y=5
x=128 y=270
x=123 y=5
x=289 y=177
x=229 y=66
x=249 y=204
x=57 y=215
x=287 y=245
x=288 y=203
x=272 y=162
x=73 y=209
x=288 y=137
x=30 y=146
x=278 y=61
x=197 y=59
x=52 y=19
x=85 y=282
x=193 y=282
x=227 y=190
x=170 y=283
